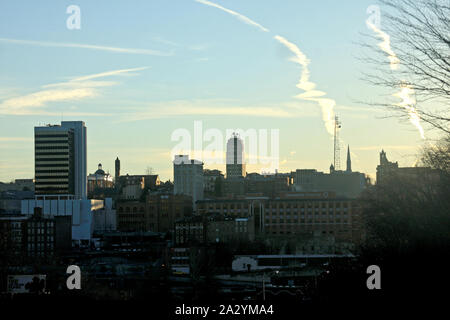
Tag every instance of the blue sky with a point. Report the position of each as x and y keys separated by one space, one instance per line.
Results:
x=138 y=70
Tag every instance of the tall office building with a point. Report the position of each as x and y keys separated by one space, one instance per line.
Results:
x=188 y=177
x=235 y=165
x=60 y=160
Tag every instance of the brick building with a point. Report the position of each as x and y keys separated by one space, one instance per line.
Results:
x=157 y=213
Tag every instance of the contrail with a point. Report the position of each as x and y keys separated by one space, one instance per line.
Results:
x=86 y=46
x=385 y=45
x=234 y=13
x=310 y=93
x=406 y=91
x=408 y=103
x=304 y=84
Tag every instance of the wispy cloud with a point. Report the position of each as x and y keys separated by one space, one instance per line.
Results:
x=165 y=41
x=15 y=139
x=87 y=46
x=234 y=13
x=327 y=105
x=308 y=87
x=406 y=93
x=214 y=108
x=408 y=102
x=76 y=89
x=109 y=73
x=385 y=45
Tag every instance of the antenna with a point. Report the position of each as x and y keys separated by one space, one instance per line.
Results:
x=337 y=149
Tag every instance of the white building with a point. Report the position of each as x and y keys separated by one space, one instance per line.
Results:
x=83 y=212
x=235 y=165
x=105 y=219
x=188 y=177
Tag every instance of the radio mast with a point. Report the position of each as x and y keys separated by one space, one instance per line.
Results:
x=337 y=150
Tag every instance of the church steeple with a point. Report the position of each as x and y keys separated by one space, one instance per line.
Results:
x=349 y=160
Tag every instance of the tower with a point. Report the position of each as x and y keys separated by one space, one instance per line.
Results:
x=117 y=166
x=235 y=165
x=337 y=150
x=349 y=160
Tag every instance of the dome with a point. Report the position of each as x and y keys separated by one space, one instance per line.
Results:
x=100 y=170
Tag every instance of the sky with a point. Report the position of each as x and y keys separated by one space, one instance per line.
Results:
x=137 y=71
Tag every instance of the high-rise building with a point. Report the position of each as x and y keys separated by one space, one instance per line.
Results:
x=235 y=165
x=60 y=160
x=188 y=177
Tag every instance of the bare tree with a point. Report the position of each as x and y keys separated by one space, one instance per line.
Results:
x=438 y=155
x=419 y=32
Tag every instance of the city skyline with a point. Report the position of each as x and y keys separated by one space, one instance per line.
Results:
x=177 y=62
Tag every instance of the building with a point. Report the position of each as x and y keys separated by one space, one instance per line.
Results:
x=10 y=201
x=117 y=169
x=312 y=214
x=213 y=229
x=131 y=187
x=133 y=216
x=45 y=236
x=157 y=213
x=35 y=237
x=189 y=230
x=212 y=180
x=60 y=160
x=268 y=185
x=99 y=180
x=294 y=215
x=188 y=177
x=284 y=261
x=81 y=212
x=343 y=183
x=12 y=237
x=235 y=164
x=223 y=229
x=388 y=170
x=105 y=219
x=18 y=185
x=165 y=209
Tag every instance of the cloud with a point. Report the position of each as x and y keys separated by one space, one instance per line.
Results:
x=73 y=90
x=327 y=105
x=198 y=47
x=40 y=98
x=214 y=108
x=406 y=93
x=87 y=46
x=385 y=45
x=108 y=74
x=165 y=41
x=408 y=102
x=234 y=13
x=15 y=139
